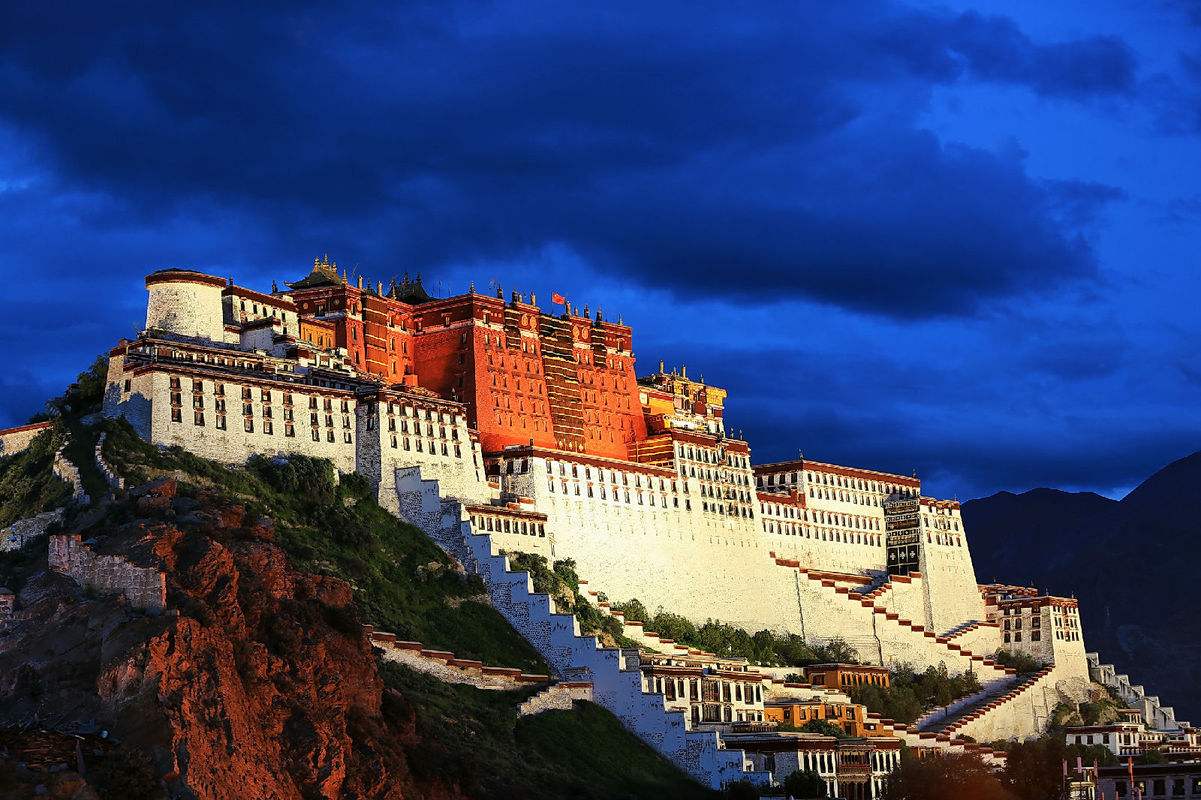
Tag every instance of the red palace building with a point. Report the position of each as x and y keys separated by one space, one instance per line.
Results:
x=525 y=376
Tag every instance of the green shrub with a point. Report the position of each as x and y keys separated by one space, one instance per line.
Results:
x=824 y=727
x=804 y=785
x=741 y=790
x=1024 y=663
x=912 y=693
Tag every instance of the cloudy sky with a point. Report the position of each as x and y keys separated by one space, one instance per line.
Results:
x=960 y=238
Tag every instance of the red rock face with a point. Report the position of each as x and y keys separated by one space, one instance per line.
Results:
x=257 y=683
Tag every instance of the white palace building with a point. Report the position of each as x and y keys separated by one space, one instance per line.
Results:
x=532 y=428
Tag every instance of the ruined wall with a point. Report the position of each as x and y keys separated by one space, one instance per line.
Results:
x=16 y=535
x=145 y=587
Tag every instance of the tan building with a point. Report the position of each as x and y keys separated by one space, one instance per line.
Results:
x=850 y=717
x=846 y=676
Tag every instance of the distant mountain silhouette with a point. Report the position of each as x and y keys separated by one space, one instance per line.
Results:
x=1132 y=563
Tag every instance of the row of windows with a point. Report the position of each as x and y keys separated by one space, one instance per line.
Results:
x=710 y=456
x=841 y=481
x=823 y=534
x=604 y=491
x=820 y=516
x=491 y=523
x=248 y=424
x=429 y=446
x=610 y=475
x=1017 y=636
x=709 y=691
x=716 y=476
x=265 y=395
x=1158 y=787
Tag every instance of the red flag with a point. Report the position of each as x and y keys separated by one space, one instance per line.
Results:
x=558 y=298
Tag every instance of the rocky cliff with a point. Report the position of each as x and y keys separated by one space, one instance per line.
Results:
x=257 y=682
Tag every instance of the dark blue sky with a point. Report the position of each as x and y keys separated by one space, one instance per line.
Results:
x=958 y=238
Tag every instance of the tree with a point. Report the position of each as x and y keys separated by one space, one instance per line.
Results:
x=741 y=790
x=838 y=651
x=945 y=776
x=1034 y=769
x=1022 y=662
x=804 y=784
x=824 y=727
x=85 y=395
x=633 y=610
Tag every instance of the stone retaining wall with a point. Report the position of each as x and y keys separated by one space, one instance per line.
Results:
x=145 y=587
x=66 y=471
x=114 y=481
x=15 y=536
x=558 y=697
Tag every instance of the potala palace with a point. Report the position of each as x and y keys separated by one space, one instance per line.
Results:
x=497 y=426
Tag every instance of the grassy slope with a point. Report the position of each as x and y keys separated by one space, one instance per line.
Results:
x=403 y=583
x=27 y=482
x=583 y=753
x=28 y=487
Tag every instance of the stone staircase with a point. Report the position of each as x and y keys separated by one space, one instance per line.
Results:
x=919 y=640
x=776 y=686
x=880 y=585
x=557 y=696
x=979 y=712
x=615 y=677
x=1154 y=713
x=960 y=630
x=444 y=666
x=913 y=737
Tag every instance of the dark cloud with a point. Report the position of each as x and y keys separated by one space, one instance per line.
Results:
x=994 y=48
x=786 y=160
x=1078 y=203
x=654 y=145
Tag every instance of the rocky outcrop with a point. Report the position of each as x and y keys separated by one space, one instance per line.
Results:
x=258 y=682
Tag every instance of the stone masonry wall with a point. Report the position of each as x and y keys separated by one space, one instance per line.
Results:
x=16 y=535
x=145 y=587
x=14 y=440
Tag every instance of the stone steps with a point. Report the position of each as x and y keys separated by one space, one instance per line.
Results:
x=984 y=706
x=990 y=670
x=1155 y=714
x=557 y=696
x=616 y=684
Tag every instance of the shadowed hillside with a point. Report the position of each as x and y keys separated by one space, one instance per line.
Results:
x=1131 y=563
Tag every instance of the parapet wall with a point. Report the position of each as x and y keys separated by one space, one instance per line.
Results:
x=14 y=440
x=145 y=587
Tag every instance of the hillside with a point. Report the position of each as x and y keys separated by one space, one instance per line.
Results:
x=259 y=681
x=1130 y=562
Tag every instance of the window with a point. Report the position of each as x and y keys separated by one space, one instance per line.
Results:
x=248 y=424
x=197 y=417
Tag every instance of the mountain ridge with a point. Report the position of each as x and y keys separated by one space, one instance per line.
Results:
x=1127 y=561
